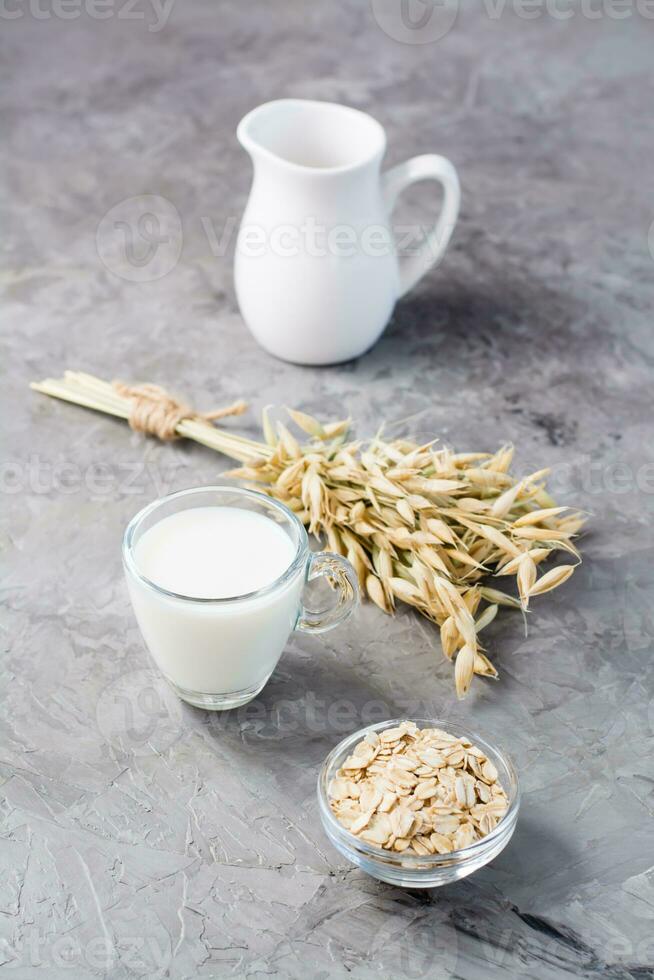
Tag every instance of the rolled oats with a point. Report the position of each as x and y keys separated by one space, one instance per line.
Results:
x=417 y=791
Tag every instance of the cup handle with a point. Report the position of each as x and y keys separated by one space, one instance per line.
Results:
x=342 y=578
x=394 y=181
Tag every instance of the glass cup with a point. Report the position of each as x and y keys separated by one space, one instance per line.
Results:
x=219 y=653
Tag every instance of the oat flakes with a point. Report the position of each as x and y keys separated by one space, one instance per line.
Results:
x=417 y=791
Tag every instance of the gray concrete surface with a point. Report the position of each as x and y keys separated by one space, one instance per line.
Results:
x=143 y=838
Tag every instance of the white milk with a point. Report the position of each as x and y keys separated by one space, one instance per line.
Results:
x=215 y=553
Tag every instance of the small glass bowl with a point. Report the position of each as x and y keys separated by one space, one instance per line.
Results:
x=413 y=870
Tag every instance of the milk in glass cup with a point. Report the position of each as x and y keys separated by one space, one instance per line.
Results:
x=216 y=577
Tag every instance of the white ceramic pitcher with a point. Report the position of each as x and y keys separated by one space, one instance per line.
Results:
x=316 y=270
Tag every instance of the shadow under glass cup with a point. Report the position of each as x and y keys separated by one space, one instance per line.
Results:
x=218 y=653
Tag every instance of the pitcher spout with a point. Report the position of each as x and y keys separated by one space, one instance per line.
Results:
x=311 y=136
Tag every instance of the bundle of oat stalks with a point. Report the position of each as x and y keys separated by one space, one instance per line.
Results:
x=420 y=524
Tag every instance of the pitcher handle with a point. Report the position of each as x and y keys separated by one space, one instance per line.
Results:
x=342 y=577
x=430 y=166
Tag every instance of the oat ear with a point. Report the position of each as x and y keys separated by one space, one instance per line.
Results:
x=268 y=430
x=464 y=669
x=552 y=579
x=307 y=423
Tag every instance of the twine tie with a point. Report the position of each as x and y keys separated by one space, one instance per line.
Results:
x=157 y=413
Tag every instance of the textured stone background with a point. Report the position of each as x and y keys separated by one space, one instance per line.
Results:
x=143 y=838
